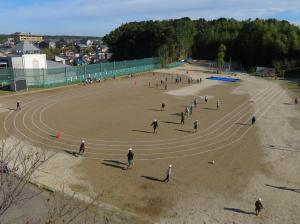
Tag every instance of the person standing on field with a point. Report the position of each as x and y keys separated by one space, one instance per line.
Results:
x=218 y=104
x=18 y=105
x=130 y=156
x=187 y=111
x=195 y=102
x=168 y=174
x=182 y=118
x=155 y=125
x=258 y=207
x=206 y=99
x=82 y=147
x=195 y=125
x=163 y=105
x=253 y=120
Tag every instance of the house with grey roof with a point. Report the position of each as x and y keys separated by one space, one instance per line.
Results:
x=25 y=47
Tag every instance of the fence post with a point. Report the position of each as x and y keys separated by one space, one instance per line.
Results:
x=114 y=68
x=85 y=71
x=100 y=68
x=66 y=77
x=44 y=77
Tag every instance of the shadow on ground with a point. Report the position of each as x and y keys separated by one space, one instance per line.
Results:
x=282 y=148
x=207 y=108
x=155 y=109
x=184 y=131
x=284 y=188
x=113 y=165
x=237 y=210
x=153 y=178
x=148 y=132
x=115 y=162
x=71 y=153
x=245 y=124
x=170 y=122
x=176 y=114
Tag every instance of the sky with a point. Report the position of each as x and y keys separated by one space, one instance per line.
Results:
x=99 y=17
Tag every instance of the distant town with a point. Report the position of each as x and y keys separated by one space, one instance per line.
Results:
x=60 y=51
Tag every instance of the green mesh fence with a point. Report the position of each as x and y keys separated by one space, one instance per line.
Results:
x=44 y=78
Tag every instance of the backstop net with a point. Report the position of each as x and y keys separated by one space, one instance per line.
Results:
x=51 y=77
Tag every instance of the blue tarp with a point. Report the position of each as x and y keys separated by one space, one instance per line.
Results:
x=224 y=79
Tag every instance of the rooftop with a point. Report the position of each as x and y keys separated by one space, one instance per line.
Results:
x=25 y=48
x=23 y=33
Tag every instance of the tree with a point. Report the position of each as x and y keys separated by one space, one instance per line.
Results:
x=18 y=165
x=221 y=56
x=251 y=43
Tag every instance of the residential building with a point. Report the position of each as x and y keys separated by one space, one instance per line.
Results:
x=52 y=44
x=34 y=38
x=25 y=48
x=89 y=43
x=60 y=59
x=81 y=48
x=70 y=54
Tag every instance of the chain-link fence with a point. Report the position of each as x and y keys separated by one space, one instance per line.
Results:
x=52 y=77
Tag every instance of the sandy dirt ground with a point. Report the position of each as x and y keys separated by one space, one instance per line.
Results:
x=251 y=161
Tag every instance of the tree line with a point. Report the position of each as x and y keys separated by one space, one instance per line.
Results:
x=251 y=42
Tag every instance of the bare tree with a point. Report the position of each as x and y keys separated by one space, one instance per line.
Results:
x=68 y=209
x=17 y=166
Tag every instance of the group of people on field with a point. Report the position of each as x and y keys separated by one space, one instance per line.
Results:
x=130 y=155
x=130 y=160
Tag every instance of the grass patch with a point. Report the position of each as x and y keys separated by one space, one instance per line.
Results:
x=5 y=92
x=78 y=188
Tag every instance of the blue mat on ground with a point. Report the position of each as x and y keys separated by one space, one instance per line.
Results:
x=224 y=79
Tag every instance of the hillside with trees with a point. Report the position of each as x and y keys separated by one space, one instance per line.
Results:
x=251 y=42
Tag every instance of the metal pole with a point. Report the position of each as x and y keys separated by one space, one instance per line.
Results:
x=66 y=75
x=114 y=68
x=44 y=77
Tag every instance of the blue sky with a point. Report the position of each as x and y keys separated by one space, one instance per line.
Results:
x=98 y=17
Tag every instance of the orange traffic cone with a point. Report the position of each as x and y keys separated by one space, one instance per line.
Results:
x=58 y=135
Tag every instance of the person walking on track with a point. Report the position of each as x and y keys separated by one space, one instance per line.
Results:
x=218 y=104
x=296 y=100
x=258 y=207
x=82 y=147
x=187 y=111
x=195 y=102
x=253 y=120
x=130 y=156
x=182 y=118
x=168 y=174
x=191 y=109
x=195 y=125
x=18 y=105
x=163 y=105
x=155 y=125
x=206 y=99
